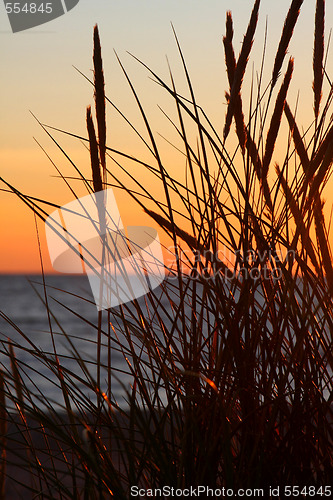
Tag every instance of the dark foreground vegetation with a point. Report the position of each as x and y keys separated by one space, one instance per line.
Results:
x=232 y=379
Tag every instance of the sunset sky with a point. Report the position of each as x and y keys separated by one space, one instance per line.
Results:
x=38 y=75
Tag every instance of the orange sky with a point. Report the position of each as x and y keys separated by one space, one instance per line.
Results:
x=39 y=76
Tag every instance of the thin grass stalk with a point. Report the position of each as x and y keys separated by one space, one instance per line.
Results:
x=319 y=155
x=50 y=455
x=297 y=138
x=318 y=55
x=302 y=230
x=230 y=58
x=230 y=61
x=101 y=125
x=220 y=151
x=163 y=174
x=241 y=66
x=204 y=170
x=286 y=35
x=260 y=96
x=59 y=369
x=20 y=405
x=58 y=171
x=155 y=150
x=3 y=436
x=189 y=153
x=118 y=111
x=109 y=385
x=17 y=378
x=100 y=101
x=324 y=113
x=276 y=118
x=94 y=156
x=82 y=177
x=323 y=170
x=258 y=168
x=98 y=186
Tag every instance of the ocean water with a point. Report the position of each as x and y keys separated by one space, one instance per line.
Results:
x=74 y=318
x=24 y=320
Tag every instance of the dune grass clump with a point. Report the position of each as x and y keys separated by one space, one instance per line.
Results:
x=230 y=359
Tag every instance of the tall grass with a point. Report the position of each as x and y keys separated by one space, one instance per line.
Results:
x=231 y=358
